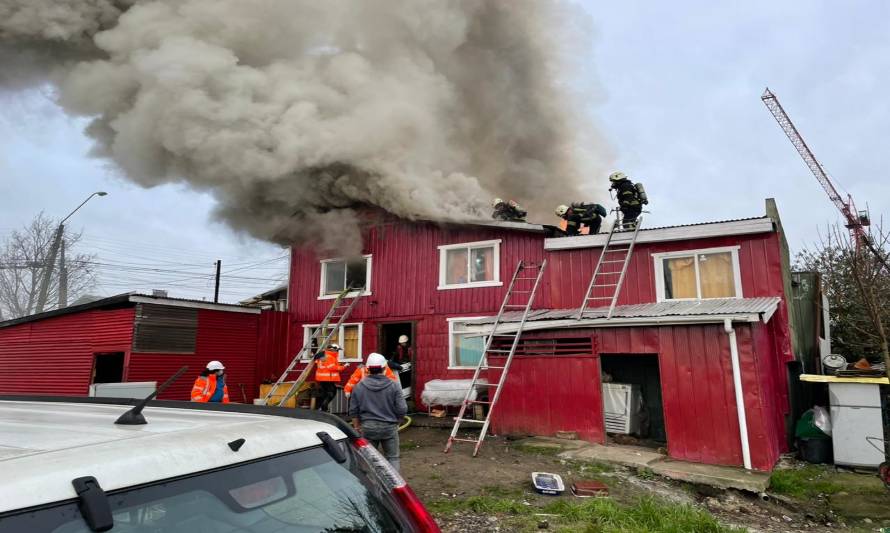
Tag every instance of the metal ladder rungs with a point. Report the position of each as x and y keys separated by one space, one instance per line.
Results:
x=613 y=261
x=492 y=367
x=471 y=420
x=498 y=351
x=464 y=440
x=599 y=298
x=605 y=285
x=477 y=401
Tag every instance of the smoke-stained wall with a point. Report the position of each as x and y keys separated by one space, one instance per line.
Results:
x=293 y=113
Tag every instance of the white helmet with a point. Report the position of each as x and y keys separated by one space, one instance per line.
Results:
x=215 y=365
x=375 y=360
x=496 y=202
x=562 y=210
x=403 y=339
x=335 y=347
x=617 y=176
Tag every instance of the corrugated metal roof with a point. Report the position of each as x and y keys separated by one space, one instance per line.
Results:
x=686 y=308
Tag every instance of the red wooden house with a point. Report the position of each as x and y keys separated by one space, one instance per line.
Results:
x=702 y=315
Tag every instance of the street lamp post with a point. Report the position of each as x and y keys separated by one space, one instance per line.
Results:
x=58 y=244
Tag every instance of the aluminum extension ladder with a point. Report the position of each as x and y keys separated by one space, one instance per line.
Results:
x=611 y=255
x=525 y=273
x=338 y=314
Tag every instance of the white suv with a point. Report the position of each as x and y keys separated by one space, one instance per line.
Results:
x=68 y=466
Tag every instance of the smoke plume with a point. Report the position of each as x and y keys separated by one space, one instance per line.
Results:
x=294 y=113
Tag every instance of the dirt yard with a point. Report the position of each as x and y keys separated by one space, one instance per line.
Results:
x=493 y=492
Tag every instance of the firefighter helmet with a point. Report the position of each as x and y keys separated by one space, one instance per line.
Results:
x=403 y=339
x=496 y=202
x=215 y=365
x=617 y=176
x=562 y=210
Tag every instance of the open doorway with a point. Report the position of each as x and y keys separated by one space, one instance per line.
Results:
x=387 y=344
x=108 y=367
x=632 y=402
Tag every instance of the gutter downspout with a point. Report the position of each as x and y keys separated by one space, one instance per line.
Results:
x=739 y=395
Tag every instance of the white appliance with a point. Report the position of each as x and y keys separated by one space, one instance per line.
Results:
x=856 y=420
x=621 y=407
x=132 y=389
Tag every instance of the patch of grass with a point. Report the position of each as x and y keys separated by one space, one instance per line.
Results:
x=812 y=480
x=645 y=473
x=589 y=467
x=595 y=515
x=408 y=445
x=435 y=476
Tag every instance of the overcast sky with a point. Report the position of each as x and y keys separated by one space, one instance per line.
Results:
x=680 y=104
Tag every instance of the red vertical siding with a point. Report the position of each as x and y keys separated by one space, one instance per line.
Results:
x=273 y=351
x=55 y=355
x=546 y=394
x=224 y=336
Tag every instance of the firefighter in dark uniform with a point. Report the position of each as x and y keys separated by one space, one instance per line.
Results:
x=631 y=198
x=591 y=215
x=507 y=211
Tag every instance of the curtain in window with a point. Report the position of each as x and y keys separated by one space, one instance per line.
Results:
x=350 y=342
x=456 y=266
x=716 y=273
x=482 y=264
x=468 y=350
x=679 y=278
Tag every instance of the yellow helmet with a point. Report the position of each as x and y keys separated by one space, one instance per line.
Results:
x=617 y=176
x=562 y=210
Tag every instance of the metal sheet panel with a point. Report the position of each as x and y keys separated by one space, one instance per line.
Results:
x=165 y=329
x=55 y=355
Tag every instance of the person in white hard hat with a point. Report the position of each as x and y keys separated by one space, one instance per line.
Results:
x=578 y=214
x=377 y=407
x=507 y=211
x=327 y=374
x=631 y=198
x=211 y=384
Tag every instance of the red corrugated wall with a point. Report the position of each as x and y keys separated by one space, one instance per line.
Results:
x=273 y=353
x=225 y=336
x=546 y=394
x=55 y=355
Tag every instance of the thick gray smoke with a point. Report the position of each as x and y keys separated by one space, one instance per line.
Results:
x=293 y=113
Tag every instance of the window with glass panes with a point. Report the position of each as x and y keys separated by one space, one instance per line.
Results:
x=348 y=336
x=699 y=275
x=465 y=265
x=465 y=347
x=338 y=274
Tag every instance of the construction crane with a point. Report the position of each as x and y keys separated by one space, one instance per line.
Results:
x=856 y=221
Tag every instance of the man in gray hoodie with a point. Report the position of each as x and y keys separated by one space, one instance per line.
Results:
x=377 y=407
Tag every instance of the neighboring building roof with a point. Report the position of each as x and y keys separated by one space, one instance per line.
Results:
x=50 y=443
x=281 y=290
x=124 y=300
x=742 y=226
x=673 y=312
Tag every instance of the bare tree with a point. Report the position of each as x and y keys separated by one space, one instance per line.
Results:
x=858 y=286
x=23 y=257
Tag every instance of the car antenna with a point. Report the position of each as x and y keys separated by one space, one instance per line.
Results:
x=134 y=417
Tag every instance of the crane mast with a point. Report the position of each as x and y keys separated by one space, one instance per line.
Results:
x=855 y=220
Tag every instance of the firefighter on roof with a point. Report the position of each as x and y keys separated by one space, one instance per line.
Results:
x=507 y=211
x=590 y=215
x=631 y=198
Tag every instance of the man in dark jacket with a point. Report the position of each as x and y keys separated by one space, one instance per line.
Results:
x=590 y=215
x=631 y=198
x=507 y=211
x=377 y=407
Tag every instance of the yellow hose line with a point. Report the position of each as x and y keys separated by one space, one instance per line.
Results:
x=405 y=423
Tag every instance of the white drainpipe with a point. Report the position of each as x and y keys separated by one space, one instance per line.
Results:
x=739 y=395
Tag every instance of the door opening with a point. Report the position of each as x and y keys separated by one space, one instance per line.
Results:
x=632 y=397
x=108 y=367
x=388 y=344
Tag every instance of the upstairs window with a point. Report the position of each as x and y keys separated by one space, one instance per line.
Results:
x=698 y=274
x=338 y=274
x=472 y=264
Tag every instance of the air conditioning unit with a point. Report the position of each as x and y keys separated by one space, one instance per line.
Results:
x=621 y=407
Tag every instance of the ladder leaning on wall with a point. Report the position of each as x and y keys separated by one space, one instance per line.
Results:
x=603 y=275
x=339 y=312
x=525 y=273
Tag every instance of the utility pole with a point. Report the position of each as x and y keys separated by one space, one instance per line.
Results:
x=63 y=277
x=50 y=262
x=216 y=289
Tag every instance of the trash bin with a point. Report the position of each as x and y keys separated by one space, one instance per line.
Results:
x=816 y=450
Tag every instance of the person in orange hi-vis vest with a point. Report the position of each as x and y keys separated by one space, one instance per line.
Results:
x=211 y=384
x=327 y=374
x=361 y=373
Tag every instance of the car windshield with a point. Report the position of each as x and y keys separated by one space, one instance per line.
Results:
x=304 y=491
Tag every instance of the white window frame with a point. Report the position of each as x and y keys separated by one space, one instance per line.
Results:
x=351 y=294
x=361 y=337
x=659 y=271
x=443 y=264
x=451 y=355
